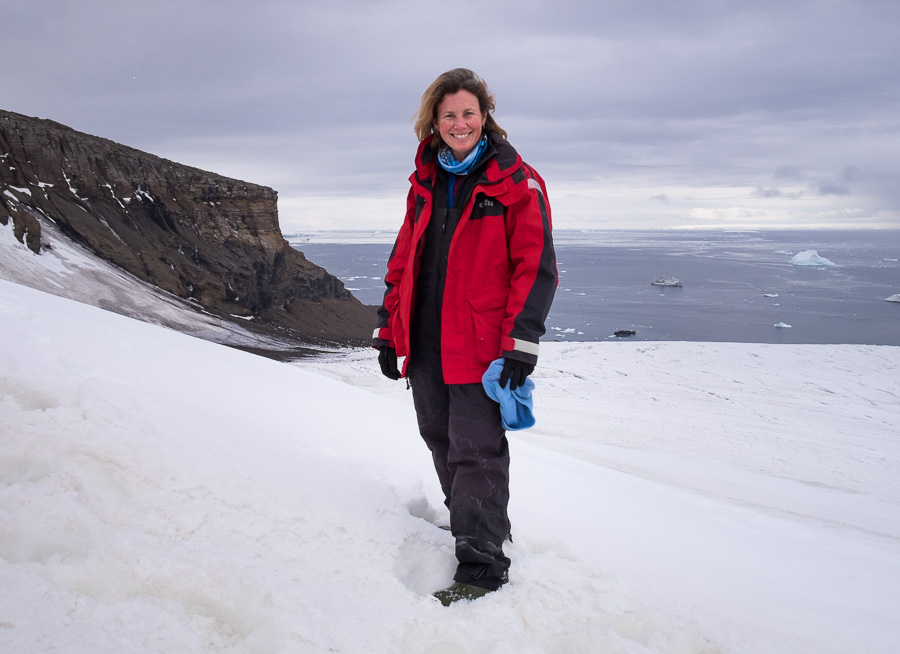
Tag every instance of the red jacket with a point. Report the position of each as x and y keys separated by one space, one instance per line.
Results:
x=501 y=269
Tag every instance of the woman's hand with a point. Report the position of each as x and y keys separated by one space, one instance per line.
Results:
x=387 y=359
x=515 y=372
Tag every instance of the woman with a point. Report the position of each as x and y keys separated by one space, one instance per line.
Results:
x=470 y=280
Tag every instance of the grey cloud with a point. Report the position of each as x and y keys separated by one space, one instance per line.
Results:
x=789 y=173
x=770 y=193
x=832 y=188
x=317 y=98
x=853 y=174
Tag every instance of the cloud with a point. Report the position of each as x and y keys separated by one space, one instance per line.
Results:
x=832 y=188
x=774 y=193
x=316 y=99
x=789 y=173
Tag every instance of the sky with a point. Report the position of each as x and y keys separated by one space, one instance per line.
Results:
x=639 y=114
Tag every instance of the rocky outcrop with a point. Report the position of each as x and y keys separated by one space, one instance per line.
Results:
x=211 y=240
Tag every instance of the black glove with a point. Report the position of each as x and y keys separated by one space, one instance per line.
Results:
x=515 y=372
x=387 y=359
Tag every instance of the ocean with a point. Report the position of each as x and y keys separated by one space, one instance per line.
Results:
x=736 y=286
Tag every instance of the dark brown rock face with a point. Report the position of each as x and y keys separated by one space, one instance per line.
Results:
x=209 y=239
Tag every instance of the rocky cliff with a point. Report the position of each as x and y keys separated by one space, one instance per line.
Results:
x=215 y=242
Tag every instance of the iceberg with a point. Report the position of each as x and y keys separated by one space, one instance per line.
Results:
x=782 y=325
x=893 y=298
x=810 y=258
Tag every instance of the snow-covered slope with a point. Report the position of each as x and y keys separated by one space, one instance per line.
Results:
x=68 y=270
x=160 y=493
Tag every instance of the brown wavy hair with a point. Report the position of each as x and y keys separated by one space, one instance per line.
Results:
x=453 y=81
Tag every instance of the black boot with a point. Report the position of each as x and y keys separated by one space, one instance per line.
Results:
x=460 y=591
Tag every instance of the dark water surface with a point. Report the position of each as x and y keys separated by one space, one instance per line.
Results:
x=737 y=286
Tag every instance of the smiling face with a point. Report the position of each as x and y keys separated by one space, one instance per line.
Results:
x=460 y=122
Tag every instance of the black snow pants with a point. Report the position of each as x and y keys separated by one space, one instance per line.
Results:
x=461 y=427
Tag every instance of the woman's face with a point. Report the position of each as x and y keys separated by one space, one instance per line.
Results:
x=460 y=122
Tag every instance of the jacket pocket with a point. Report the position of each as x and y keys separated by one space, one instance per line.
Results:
x=487 y=315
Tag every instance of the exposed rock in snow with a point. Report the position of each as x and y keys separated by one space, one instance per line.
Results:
x=810 y=258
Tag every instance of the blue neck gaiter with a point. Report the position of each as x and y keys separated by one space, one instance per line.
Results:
x=449 y=163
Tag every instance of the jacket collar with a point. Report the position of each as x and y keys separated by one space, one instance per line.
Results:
x=503 y=159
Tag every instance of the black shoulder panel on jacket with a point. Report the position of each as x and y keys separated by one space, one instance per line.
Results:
x=424 y=181
x=506 y=153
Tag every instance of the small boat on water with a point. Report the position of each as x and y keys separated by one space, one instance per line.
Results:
x=666 y=281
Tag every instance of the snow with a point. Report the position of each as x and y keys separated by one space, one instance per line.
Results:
x=68 y=270
x=161 y=493
x=810 y=258
x=72 y=189
x=112 y=192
